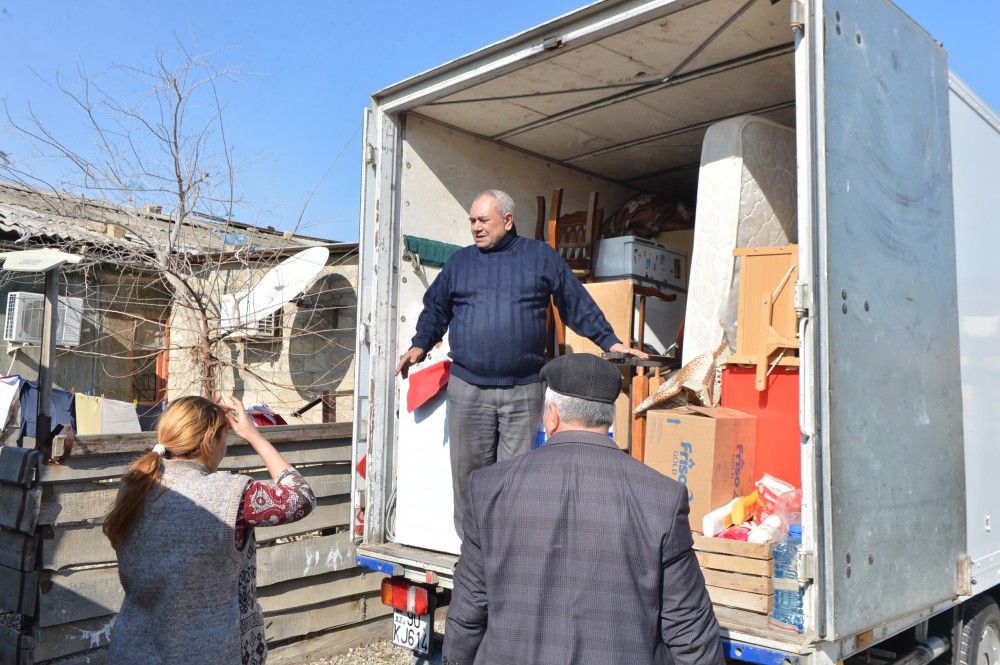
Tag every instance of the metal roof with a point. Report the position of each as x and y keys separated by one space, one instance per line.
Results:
x=46 y=217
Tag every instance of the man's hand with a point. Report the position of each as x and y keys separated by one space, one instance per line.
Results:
x=621 y=348
x=411 y=357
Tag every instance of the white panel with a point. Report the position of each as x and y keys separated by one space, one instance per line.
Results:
x=424 y=503
x=975 y=155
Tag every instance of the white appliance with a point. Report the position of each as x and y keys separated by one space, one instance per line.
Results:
x=649 y=263
x=644 y=261
x=25 y=314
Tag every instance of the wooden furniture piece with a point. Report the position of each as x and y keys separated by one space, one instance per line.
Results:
x=619 y=301
x=574 y=236
x=766 y=330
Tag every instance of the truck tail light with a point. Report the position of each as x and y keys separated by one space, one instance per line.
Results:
x=404 y=596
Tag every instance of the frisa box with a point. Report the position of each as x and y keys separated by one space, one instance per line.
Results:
x=711 y=451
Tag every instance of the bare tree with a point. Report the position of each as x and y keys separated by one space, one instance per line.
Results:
x=155 y=186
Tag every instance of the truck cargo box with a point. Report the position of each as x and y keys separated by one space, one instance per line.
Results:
x=893 y=164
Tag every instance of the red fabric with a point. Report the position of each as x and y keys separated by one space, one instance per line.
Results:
x=427 y=383
x=264 y=416
x=270 y=504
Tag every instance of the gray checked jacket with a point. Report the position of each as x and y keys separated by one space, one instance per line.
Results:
x=577 y=554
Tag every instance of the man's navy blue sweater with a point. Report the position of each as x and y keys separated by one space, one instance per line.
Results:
x=492 y=303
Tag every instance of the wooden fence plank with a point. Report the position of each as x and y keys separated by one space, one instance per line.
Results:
x=18 y=550
x=325 y=480
x=97 y=467
x=19 y=507
x=15 y=647
x=19 y=466
x=109 y=444
x=304 y=558
x=303 y=622
x=331 y=512
x=64 y=546
x=71 y=638
x=333 y=643
x=78 y=545
x=95 y=657
x=80 y=594
x=67 y=503
x=307 y=591
x=76 y=502
x=18 y=590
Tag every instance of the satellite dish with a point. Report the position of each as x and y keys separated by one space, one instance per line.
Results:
x=282 y=283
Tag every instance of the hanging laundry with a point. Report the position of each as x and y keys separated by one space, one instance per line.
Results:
x=61 y=409
x=10 y=388
x=118 y=417
x=88 y=414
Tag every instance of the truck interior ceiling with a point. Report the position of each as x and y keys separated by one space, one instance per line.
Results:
x=632 y=108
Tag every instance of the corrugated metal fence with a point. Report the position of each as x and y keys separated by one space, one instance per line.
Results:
x=58 y=570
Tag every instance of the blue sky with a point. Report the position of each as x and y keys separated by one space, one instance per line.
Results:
x=310 y=67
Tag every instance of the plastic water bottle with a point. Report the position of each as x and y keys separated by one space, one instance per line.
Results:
x=787 y=611
x=540 y=437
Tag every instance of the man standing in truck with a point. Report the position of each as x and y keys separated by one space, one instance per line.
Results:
x=492 y=298
x=576 y=552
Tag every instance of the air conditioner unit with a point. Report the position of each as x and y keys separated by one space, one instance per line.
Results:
x=234 y=320
x=25 y=312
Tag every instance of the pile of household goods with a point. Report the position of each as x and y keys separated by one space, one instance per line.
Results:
x=726 y=425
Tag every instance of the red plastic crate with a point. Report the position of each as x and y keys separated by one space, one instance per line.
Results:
x=777 y=410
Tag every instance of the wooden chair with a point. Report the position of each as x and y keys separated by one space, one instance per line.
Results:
x=574 y=236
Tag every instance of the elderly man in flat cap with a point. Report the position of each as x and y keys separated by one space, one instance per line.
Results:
x=577 y=553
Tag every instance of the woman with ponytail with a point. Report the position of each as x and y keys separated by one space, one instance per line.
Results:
x=184 y=536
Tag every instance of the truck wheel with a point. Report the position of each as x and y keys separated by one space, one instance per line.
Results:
x=981 y=633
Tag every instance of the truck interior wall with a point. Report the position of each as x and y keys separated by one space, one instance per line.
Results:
x=442 y=170
x=448 y=167
x=975 y=146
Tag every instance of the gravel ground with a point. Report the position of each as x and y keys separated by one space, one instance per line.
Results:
x=383 y=652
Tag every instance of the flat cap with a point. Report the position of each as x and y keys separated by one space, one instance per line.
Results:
x=585 y=376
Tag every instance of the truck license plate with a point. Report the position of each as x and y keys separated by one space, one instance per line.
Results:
x=412 y=631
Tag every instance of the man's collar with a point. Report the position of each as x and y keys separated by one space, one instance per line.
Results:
x=504 y=243
x=582 y=436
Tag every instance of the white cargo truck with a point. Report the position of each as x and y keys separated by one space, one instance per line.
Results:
x=895 y=175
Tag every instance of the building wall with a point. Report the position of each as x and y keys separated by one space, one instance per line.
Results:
x=312 y=352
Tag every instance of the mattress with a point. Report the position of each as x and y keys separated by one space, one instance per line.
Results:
x=746 y=198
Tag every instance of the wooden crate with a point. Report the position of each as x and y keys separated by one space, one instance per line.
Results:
x=738 y=574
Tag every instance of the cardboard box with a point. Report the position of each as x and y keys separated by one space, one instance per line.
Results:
x=711 y=451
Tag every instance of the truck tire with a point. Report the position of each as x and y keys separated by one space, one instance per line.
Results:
x=981 y=633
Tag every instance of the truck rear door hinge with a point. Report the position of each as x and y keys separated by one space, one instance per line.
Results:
x=797 y=15
x=802 y=299
x=807 y=566
x=964 y=585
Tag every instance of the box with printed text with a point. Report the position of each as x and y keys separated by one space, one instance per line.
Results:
x=711 y=451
